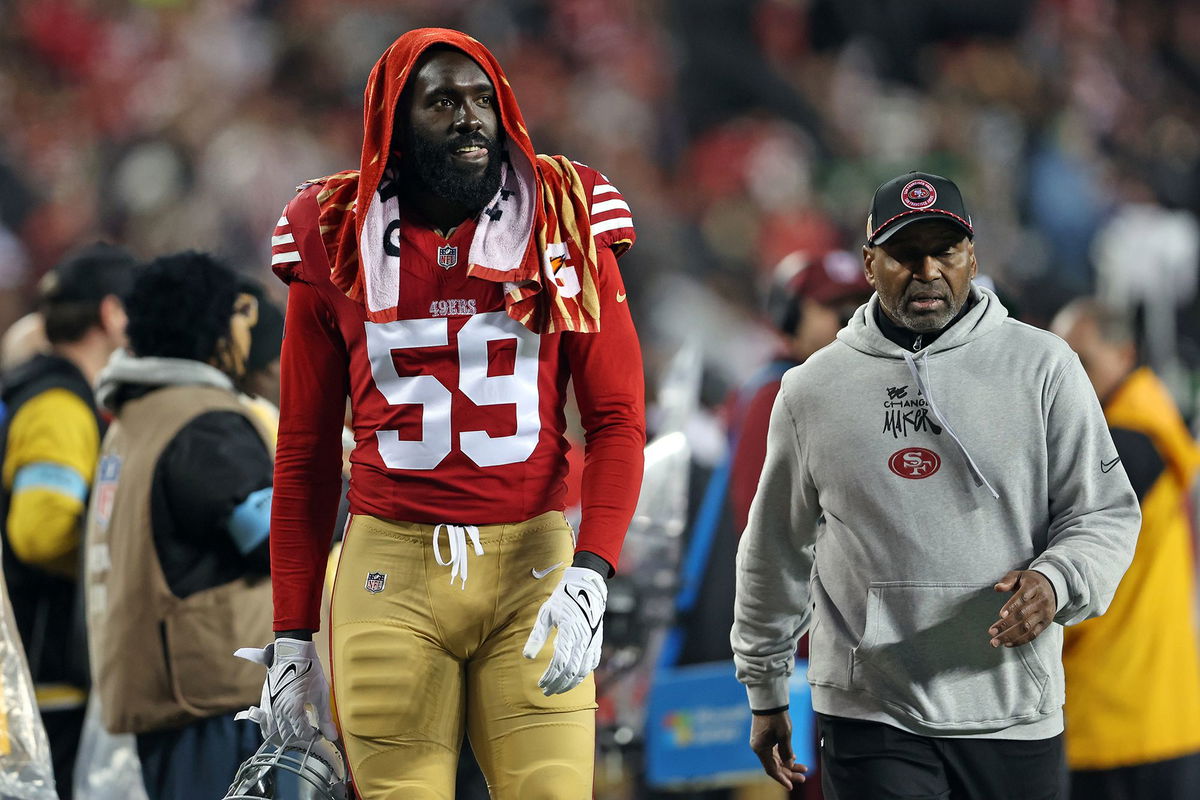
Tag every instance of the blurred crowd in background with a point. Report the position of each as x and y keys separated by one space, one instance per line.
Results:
x=747 y=135
x=739 y=131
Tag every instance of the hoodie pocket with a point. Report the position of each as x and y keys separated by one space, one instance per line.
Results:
x=925 y=652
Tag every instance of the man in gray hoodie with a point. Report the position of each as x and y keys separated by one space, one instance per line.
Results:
x=940 y=490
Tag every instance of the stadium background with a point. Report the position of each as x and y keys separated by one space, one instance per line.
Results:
x=739 y=131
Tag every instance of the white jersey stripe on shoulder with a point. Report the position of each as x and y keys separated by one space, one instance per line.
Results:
x=604 y=188
x=284 y=239
x=610 y=205
x=282 y=221
x=285 y=258
x=612 y=224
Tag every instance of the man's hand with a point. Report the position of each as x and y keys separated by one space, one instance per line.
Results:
x=771 y=741
x=294 y=681
x=576 y=608
x=1028 y=612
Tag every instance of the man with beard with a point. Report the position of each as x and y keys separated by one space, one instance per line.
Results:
x=940 y=496
x=451 y=287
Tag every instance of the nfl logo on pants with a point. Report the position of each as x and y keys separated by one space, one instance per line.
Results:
x=375 y=582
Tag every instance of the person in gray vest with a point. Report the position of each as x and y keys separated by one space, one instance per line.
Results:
x=177 y=566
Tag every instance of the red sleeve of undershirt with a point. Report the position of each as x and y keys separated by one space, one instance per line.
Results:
x=606 y=368
x=750 y=453
x=314 y=372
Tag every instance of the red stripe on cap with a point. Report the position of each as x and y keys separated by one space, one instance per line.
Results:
x=962 y=221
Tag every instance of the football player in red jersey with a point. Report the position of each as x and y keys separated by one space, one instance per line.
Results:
x=451 y=287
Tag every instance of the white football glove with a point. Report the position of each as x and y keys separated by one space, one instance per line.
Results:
x=294 y=681
x=576 y=608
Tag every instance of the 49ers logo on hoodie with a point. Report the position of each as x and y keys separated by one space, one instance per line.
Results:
x=914 y=463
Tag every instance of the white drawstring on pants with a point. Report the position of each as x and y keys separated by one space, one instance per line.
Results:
x=457 y=535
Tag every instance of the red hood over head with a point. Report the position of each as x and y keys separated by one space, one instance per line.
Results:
x=392 y=71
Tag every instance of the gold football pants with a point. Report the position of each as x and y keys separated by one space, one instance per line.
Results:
x=418 y=657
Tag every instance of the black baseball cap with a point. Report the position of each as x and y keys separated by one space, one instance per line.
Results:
x=88 y=275
x=914 y=196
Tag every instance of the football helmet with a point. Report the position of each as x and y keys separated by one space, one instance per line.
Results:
x=293 y=770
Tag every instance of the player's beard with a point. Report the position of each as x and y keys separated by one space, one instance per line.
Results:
x=434 y=165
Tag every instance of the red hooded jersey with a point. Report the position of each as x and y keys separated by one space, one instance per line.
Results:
x=457 y=408
x=457 y=378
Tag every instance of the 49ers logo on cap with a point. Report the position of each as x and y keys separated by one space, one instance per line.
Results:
x=918 y=194
x=914 y=463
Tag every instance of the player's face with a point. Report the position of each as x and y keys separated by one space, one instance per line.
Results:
x=453 y=129
x=922 y=274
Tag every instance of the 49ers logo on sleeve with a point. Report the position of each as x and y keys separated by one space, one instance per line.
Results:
x=914 y=463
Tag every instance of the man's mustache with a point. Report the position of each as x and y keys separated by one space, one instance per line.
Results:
x=928 y=291
x=476 y=139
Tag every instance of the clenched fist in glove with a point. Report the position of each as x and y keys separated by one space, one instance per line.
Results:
x=576 y=608
x=294 y=681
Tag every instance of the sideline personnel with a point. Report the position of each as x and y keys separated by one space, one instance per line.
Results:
x=937 y=454
x=1133 y=675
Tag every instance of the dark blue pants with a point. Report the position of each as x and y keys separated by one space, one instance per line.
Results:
x=198 y=761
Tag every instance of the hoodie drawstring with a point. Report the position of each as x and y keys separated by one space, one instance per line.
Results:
x=457 y=535
x=927 y=392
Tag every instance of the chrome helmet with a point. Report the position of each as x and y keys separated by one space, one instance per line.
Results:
x=292 y=770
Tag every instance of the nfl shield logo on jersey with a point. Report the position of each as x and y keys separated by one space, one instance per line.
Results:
x=447 y=256
x=107 y=473
x=376 y=581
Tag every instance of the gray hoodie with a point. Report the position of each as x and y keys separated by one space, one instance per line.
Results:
x=897 y=489
x=125 y=370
